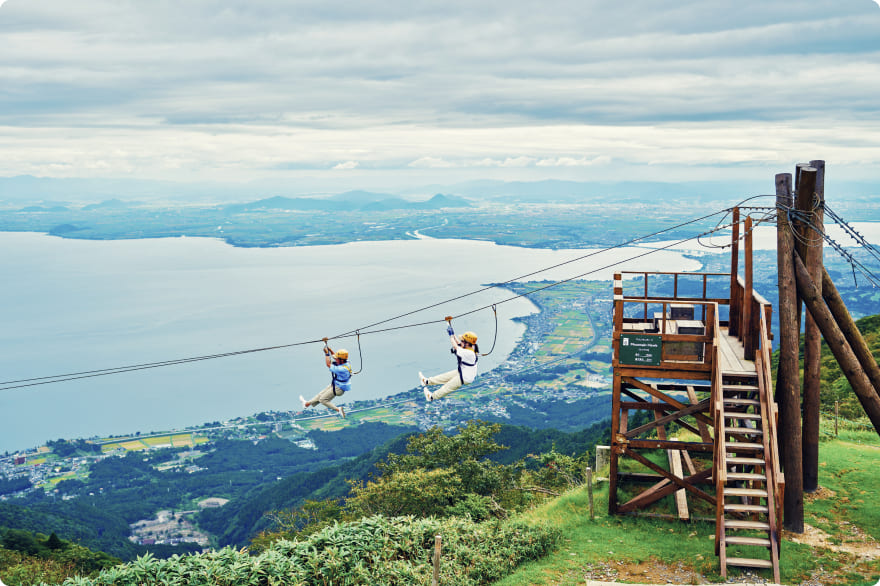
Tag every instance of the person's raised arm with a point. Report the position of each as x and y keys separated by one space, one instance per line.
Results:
x=452 y=337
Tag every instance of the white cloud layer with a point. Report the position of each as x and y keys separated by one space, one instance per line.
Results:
x=595 y=89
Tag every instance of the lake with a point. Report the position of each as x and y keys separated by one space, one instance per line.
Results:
x=78 y=305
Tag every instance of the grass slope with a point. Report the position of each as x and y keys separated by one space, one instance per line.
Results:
x=652 y=551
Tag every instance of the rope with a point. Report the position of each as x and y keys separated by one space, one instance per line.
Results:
x=360 y=354
x=30 y=382
x=495 y=338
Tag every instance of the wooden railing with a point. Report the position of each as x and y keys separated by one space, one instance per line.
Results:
x=746 y=318
x=677 y=351
x=720 y=454
x=770 y=415
x=676 y=277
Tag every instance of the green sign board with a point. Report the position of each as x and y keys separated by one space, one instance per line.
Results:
x=640 y=349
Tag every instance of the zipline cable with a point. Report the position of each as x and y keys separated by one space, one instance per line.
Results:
x=29 y=382
x=543 y=270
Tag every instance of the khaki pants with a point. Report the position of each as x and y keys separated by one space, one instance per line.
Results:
x=324 y=397
x=450 y=381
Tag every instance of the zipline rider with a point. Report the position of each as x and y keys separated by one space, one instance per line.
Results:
x=466 y=352
x=340 y=382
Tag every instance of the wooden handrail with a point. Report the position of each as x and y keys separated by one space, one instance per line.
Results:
x=775 y=478
x=720 y=455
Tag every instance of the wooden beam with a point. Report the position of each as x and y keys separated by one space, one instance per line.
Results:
x=850 y=331
x=660 y=421
x=788 y=375
x=653 y=444
x=663 y=397
x=675 y=467
x=836 y=341
x=660 y=490
x=681 y=482
x=704 y=429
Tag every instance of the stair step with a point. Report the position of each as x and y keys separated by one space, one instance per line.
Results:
x=738 y=415
x=738 y=388
x=743 y=447
x=746 y=461
x=749 y=563
x=733 y=401
x=743 y=430
x=736 y=524
x=737 y=508
x=758 y=492
x=756 y=541
x=747 y=525
x=746 y=476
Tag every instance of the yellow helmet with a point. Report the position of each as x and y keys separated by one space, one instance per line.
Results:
x=469 y=337
x=341 y=354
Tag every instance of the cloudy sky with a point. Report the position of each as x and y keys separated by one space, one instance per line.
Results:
x=389 y=92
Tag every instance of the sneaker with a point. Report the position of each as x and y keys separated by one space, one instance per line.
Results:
x=303 y=401
x=423 y=380
x=428 y=395
x=342 y=411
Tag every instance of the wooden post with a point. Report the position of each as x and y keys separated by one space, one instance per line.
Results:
x=615 y=447
x=838 y=345
x=614 y=452
x=590 y=491
x=849 y=329
x=788 y=375
x=836 y=415
x=748 y=333
x=809 y=204
x=733 y=316
x=437 y=545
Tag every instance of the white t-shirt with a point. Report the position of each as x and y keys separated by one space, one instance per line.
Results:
x=468 y=373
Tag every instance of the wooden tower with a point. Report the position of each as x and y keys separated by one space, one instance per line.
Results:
x=692 y=351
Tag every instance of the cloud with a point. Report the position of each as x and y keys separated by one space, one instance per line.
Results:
x=251 y=89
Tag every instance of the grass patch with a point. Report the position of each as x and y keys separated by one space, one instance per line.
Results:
x=654 y=551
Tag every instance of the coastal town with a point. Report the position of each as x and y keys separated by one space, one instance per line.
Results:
x=560 y=364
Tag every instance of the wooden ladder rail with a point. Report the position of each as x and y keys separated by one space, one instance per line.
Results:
x=769 y=416
x=719 y=464
x=775 y=481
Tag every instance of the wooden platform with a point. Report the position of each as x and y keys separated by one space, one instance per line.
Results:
x=732 y=358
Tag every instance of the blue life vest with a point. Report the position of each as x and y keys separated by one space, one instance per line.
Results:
x=341 y=374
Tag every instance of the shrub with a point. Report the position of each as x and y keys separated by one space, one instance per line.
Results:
x=374 y=550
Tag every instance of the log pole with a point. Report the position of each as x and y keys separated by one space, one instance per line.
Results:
x=788 y=375
x=836 y=341
x=733 y=316
x=810 y=204
x=748 y=333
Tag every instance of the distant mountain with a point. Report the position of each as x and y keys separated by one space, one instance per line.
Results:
x=110 y=204
x=44 y=209
x=30 y=190
x=557 y=191
x=352 y=200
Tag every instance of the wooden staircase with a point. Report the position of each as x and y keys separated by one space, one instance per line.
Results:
x=746 y=488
